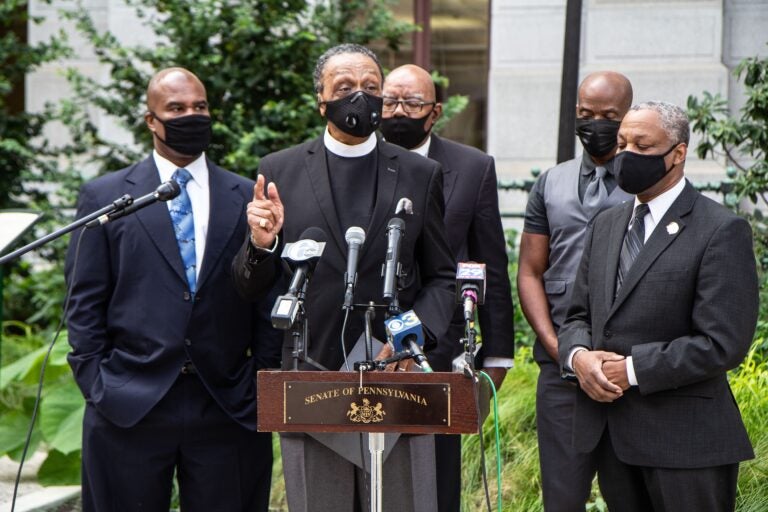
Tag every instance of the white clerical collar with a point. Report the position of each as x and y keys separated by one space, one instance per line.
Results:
x=423 y=150
x=345 y=150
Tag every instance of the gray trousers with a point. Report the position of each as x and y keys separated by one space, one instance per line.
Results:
x=317 y=479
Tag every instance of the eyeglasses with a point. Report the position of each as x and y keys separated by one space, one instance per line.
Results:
x=411 y=106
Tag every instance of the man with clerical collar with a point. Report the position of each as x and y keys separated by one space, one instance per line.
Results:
x=347 y=178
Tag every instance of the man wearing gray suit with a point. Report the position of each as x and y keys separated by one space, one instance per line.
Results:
x=665 y=303
x=561 y=205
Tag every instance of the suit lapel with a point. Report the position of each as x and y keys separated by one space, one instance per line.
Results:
x=387 y=176
x=226 y=210
x=317 y=169
x=155 y=219
x=667 y=230
x=437 y=153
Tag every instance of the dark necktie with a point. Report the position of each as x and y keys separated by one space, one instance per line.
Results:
x=184 y=227
x=633 y=242
x=595 y=193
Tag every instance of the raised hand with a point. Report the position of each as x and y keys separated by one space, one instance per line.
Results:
x=265 y=214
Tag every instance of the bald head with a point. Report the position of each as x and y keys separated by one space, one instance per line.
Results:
x=607 y=87
x=411 y=78
x=168 y=80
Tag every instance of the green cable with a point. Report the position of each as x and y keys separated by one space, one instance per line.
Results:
x=498 y=439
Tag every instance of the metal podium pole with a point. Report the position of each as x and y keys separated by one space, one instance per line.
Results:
x=376 y=447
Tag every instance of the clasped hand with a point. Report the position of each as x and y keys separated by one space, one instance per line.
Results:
x=602 y=375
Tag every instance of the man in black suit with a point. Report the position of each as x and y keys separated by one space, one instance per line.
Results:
x=473 y=226
x=163 y=348
x=665 y=303
x=347 y=178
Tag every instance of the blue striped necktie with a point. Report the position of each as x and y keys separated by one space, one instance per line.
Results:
x=184 y=227
x=633 y=243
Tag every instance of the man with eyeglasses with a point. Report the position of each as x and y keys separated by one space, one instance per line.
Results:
x=346 y=178
x=473 y=226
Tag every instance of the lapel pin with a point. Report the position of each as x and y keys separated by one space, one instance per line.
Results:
x=672 y=228
x=391 y=169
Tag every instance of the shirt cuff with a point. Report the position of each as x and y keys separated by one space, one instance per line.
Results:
x=498 y=362
x=569 y=362
x=257 y=254
x=631 y=377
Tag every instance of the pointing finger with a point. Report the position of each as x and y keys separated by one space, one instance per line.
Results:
x=258 y=188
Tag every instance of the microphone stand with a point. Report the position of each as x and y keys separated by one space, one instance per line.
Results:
x=300 y=333
x=470 y=344
x=118 y=205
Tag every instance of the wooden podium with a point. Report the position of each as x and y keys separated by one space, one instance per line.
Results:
x=404 y=402
x=373 y=402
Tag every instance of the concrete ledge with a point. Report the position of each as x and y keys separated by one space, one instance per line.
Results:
x=47 y=499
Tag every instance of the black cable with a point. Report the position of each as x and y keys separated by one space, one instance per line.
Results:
x=42 y=372
x=483 y=469
x=343 y=346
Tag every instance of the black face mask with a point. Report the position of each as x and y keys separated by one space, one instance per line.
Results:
x=405 y=131
x=598 y=136
x=358 y=114
x=187 y=135
x=636 y=173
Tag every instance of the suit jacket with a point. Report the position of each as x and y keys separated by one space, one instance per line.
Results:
x=301 y=176
x=132 y=320
x=473 y=226
x=686 y=313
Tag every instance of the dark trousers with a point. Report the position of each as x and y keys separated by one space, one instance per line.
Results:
x=627 y=488
x=220 y=465
x=566 y=475
x=448 y=464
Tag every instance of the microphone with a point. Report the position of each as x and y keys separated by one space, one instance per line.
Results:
x=302 y=256
x=470 y=287
x=404 y=205
x=166 y=191
x=395 y=232
x=405 y=333
x=355 y=236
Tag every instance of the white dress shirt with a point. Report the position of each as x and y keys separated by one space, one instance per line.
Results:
x=199 y=196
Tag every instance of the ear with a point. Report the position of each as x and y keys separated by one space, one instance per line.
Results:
x=150 y=120
x=681 y=151
x=437 y=112
x=320 y=104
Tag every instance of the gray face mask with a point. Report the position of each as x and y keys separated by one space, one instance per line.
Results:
x=358 y=114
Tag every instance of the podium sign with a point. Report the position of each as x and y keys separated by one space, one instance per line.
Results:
x=410 y=402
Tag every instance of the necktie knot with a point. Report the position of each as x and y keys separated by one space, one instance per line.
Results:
x=182 y=177
x=641 y=211
x=600 y=172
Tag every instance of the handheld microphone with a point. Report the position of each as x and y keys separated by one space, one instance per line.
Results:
x=166 y=191
x=355 y=236
x=470 y=287
x=302 y=256
x=395 y=233
x=404 y=205
x=405 y=333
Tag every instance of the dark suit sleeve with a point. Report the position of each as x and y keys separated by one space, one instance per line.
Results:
x=487 y=244
x=434 y=302
x=724 y=316
x=577 y=328
x=255 y=275
x=90 y=279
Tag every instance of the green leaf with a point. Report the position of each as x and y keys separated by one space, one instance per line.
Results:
x=13 y=430
x=60 y=469
x=61 y=417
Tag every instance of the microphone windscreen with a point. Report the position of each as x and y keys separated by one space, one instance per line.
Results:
x=168 y=190
x=355 y=234
x=314 y=233
x=396 y=222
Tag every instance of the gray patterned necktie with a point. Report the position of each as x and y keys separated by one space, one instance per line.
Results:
x=596 y=193
x=633 y=243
